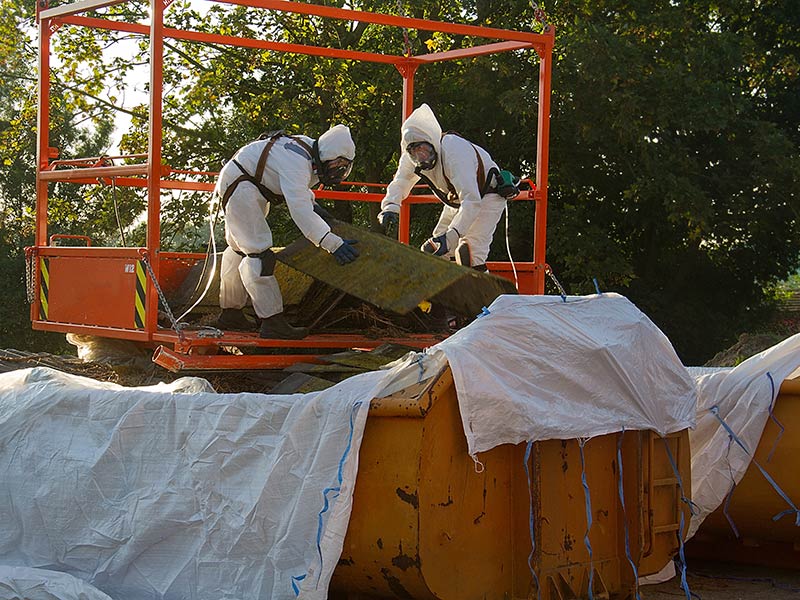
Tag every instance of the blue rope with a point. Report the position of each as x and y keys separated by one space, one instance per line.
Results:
x=729 y=496
x=725 y=509
x=588 y=498
x=793 y=510
x=625 y=517
x=596 y=286
x=295 y=582
x=772 y=416
x=419 y=360
x=692 y=506
x=326 y=504
x=530 y=520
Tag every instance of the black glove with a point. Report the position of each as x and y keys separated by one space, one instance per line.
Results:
x=326 y=216
x=388 y=220
x=346 y=253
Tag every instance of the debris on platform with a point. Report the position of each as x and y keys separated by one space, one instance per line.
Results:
x=299 y=378
x=375 y=296
x=397 y=277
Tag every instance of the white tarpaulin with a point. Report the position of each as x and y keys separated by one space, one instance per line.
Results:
x=148 y=493
x=742 y=396
x=24 y=583
x=538 y=368
x=173 y=491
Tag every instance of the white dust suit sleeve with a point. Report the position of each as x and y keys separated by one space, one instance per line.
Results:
x=460 y=164
x=401 y=185
x=300 y=201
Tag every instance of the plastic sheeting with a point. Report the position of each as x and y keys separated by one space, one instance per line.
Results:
x=153 y=493
x=23 y=583
x=539 y=368
x=173 y=491
x=742 y=396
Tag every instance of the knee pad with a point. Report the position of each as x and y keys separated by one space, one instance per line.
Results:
x=463 y=254
x=268 y=261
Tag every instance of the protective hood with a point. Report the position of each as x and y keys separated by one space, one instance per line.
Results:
x=336 y=142
x=422 y=126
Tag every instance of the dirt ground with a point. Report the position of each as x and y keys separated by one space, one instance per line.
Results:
x=727 y=581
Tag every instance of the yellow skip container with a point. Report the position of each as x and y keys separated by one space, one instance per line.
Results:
x=429 y=522
x=755 y=502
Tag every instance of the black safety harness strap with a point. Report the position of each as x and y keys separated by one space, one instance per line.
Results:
x=447 y=198
x=451 y=197
x=268 y=194
x=267 y=258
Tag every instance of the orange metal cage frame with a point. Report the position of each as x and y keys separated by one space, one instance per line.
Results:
x=77 y=289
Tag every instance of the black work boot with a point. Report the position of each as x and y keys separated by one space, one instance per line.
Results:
x=277 y=327
x=234 y=319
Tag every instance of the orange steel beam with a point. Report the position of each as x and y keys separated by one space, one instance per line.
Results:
x=92 y=161
x=77 y=7
x=325 y=341
x=408 y=70
x=90 y=252
x=43 y=132
x=383 y=19
x=178 y=361
x=42 y=156
x=135 y=335
x=154 y=151
x=166 y=184
x=227 y=40
x=93 y=172
x=542 y=164
x=474 y=51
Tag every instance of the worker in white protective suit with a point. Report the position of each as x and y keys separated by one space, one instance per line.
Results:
x=275 y=169
x=462 y=175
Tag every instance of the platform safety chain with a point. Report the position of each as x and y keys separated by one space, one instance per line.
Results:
x=406 y=42
x=162 y=297
x=539 y=15
x=30 y=274
x=552 y=276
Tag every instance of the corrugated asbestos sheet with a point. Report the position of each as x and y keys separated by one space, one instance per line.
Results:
x=396 y=277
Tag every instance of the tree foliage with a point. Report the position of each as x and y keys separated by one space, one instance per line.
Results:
x=674 y=141
x=72 y=210
x=675 y=177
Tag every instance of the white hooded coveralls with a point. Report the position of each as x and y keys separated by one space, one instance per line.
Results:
x=476 y=218
x=289 y=172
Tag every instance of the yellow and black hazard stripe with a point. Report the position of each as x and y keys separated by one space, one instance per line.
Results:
x=141 y=295
x=44 y=288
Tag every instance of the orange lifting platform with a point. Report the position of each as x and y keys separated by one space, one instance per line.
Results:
x=427 y=523
x=114 y=292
